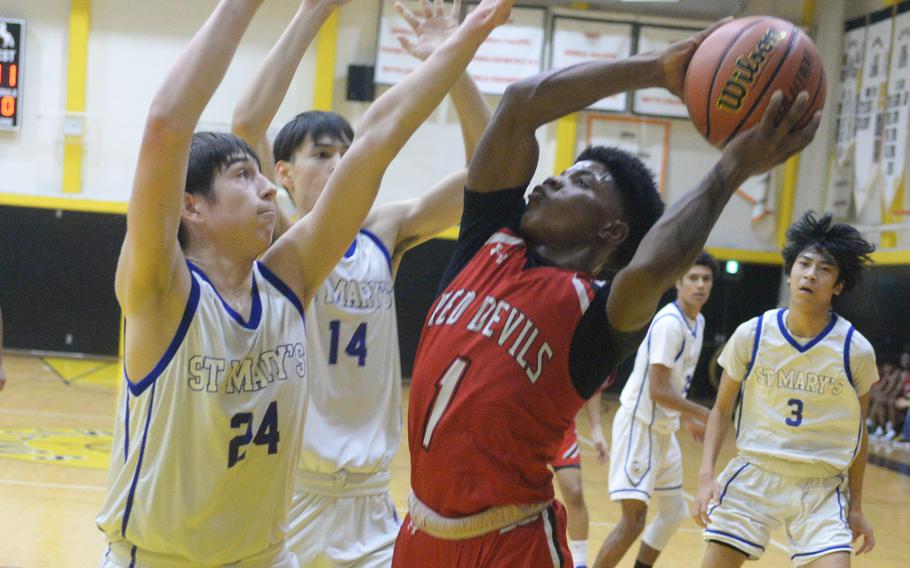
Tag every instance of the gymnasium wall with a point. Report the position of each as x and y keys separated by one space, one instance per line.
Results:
x=132 y=44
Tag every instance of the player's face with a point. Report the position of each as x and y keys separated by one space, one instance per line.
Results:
x=579 y=207
x=308 y=171
x=694 y=288
x=242 y=213
x=813 y=280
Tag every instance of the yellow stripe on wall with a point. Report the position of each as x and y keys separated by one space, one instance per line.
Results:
x=64 y=203
x=566 y=135
x=76 y=71
x=326 y=47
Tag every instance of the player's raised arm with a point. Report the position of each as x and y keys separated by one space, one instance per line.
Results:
x=257 y=107
x=147 y=272
x=405 y=224
x=677 y=238
x=311 y=248
x=508 y=152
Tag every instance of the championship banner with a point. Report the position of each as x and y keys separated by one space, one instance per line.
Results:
x=897 y=117
x=577 y=41
x=659 y=102
x=393 y=63
x=870 y=112
x=512 y=52
x=840 y=182
x=756 y=191
x=647 y=139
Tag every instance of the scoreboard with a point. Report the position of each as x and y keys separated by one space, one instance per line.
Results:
x=12 y=39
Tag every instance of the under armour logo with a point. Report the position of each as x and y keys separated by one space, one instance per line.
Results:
x=498 y=252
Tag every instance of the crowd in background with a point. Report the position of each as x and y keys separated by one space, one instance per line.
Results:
x=889 y=408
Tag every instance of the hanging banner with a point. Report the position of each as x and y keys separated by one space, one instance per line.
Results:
x=897 y=117
x=870 y=112
x=512 y=52
x=659 y=102
x=756 y=191
x=393 y=63
x=577 y=41
x=646 y=138
x=840 y=179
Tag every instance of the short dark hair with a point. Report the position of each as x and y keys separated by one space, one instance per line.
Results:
x=706 y=259
x=839 y=243
x=210 y=153
x=641 y=201
x=315 y=124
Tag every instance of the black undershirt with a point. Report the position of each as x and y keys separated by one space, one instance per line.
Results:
x=597 y=349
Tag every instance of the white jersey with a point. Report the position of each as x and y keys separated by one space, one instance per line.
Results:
x=799 y=412
x=674 y=341
x=205 y=445
x=354 y=412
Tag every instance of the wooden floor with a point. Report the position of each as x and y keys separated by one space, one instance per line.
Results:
x=56 y=418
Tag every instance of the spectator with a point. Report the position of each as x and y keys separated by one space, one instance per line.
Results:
x=883 y=413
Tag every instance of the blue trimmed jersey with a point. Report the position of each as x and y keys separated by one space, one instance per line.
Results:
x=674 y=341
x=799 y=412
x=205 y=446
x=353 y=417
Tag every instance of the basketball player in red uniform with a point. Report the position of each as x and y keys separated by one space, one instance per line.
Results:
x=521 y=335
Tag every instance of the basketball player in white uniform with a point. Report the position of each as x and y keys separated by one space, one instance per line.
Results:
x=646 y=463
x=342 y=512
x=802 y=375
x=215 y=360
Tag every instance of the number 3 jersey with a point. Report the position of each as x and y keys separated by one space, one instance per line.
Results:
x=353 y=417
x=205 y=445
x=799 y=412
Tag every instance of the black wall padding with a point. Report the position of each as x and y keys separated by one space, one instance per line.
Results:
x=57 y=279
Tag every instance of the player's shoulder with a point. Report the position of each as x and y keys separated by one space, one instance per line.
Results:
x=859 y=344
x=668 y=318
x=748 y=329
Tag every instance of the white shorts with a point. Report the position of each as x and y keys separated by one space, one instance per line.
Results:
x=643 y=463
x=753 y=502
x=351 y=532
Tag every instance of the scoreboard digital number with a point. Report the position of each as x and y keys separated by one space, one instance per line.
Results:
x=12 y=40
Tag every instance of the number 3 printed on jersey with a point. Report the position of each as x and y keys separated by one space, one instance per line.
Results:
x=357 y=346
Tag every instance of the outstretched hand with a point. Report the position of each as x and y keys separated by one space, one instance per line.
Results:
x=674 y=60
x=773 y=139
x=432 y=26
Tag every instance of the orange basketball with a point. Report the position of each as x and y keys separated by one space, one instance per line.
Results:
x=738 y=67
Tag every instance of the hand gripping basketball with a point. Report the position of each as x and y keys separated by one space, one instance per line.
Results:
x=773 y=139
x=674 y=60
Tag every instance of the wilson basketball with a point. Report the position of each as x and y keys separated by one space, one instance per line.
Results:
x=736 y=69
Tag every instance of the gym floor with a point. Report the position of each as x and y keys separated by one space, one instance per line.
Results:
x=56 y=421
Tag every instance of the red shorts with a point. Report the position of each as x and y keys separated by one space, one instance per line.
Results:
x=569 y=453
x=538 y=544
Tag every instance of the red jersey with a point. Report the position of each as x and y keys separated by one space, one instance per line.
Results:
x=491 y=393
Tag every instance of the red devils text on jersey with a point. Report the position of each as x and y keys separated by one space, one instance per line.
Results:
x=491 y=393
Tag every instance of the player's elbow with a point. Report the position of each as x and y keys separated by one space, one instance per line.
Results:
x=163 y=125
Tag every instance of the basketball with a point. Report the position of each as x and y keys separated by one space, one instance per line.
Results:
x=736 y=69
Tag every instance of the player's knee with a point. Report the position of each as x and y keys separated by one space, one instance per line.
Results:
x=573 y=495
x=671 y=513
